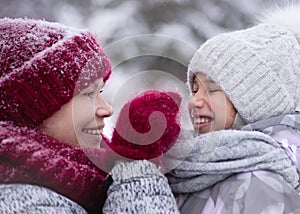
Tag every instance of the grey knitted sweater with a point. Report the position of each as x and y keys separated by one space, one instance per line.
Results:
x=25 y=198
x=139 y=187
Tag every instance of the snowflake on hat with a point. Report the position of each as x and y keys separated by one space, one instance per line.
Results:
x=147 y=126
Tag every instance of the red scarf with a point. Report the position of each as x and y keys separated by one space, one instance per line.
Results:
x=30 y=157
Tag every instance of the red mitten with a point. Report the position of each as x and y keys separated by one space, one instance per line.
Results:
x=147 y=126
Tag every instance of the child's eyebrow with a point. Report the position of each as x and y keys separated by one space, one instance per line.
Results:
x=209 y=80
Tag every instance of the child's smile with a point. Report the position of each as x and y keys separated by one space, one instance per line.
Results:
x=209 y=108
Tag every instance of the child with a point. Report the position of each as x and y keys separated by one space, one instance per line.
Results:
x=244 y=111
x=245 y=80
x=51 y=77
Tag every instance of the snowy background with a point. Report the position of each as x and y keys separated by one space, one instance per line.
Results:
x=149 y=42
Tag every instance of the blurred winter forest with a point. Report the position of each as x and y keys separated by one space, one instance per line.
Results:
x=149 y=42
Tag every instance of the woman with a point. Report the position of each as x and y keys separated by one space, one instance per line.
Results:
x=51 y=80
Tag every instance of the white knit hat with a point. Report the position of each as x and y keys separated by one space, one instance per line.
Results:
x=258 y=68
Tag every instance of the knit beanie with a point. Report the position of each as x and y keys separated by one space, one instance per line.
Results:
x=258 y=68
x=42 y=66
x=147 y=126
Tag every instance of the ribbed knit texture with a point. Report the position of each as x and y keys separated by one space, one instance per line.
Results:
x=147 y=126
x=125 y=171
x=257 y=68
x=139 y=187
x=42 y=66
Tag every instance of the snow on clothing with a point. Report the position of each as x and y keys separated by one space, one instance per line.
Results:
x=147 y=126
x=43 y=65
x=30 y=157
x=242 y=172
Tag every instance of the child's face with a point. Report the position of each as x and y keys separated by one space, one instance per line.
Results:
x=80 y=121
x=209 y=107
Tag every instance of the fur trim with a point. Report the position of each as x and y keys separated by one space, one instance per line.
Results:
x=287 y=17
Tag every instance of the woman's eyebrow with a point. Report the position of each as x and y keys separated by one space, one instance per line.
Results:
x=92 y=86
x=97 y=84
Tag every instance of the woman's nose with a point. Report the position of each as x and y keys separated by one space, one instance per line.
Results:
x=103 y=108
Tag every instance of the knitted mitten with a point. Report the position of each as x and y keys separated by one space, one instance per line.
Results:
x=147 y=126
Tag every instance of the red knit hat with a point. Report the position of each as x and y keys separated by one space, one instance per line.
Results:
x=42 y=66
x=147 y=126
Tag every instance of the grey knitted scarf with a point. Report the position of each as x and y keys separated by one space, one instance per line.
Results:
x=214 y=156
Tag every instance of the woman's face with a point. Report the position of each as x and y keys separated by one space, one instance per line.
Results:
x=80 y=121
x=209 y=107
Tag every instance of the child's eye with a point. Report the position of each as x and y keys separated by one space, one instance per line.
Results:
x=214 y=90
x=101 y=91
x=194 y=90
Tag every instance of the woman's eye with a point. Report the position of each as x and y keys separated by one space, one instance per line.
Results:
x=101 y=91
x=90 y=94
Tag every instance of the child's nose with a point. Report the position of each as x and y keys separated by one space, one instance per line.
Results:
x=198 y=100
